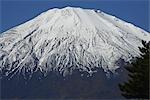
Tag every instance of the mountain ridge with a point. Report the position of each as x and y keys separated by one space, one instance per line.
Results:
x=69 y=38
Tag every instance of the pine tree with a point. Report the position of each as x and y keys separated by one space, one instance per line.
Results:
x=138 y=84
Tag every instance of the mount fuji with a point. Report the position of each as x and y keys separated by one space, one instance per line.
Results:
x=68 y=39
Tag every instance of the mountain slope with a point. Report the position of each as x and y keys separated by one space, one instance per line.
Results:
x=67 y=39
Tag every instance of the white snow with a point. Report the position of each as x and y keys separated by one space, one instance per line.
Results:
x=67 y=39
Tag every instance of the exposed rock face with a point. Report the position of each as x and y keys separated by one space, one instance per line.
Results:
x=67 y=39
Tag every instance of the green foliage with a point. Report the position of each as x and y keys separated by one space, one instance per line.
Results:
x=138 y=83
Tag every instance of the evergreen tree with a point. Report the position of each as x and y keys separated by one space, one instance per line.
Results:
x=138 y=84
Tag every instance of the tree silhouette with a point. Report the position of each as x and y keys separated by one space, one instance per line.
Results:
x=138 y=84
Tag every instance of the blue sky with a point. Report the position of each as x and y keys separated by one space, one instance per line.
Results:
x=15 y=12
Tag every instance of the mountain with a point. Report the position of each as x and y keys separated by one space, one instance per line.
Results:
x=68 y=39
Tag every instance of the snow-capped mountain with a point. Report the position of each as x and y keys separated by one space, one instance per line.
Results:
x=67 y=39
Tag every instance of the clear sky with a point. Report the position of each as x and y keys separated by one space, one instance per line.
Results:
x=15 y=12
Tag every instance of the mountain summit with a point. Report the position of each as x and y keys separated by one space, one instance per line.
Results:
x=66 y=39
